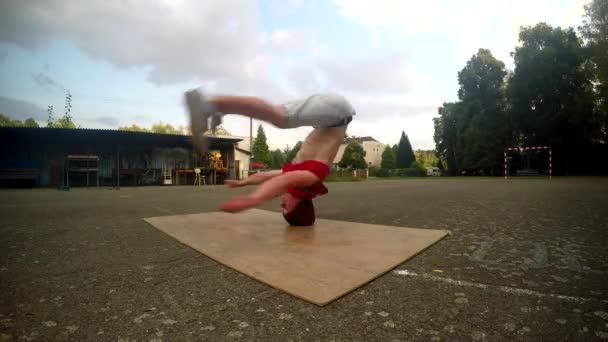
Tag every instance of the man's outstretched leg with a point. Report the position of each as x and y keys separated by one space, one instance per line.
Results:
x=204 y=109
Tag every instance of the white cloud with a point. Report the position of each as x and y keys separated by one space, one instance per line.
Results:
x=282 y=8
x=180 y=40
x=221 y=46
x=466 y=25
x=289 y=40
x=20 y=109
x=406 y=16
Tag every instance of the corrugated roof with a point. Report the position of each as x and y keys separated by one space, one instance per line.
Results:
x=109 y=131
x=86 y=137
x=359 y=139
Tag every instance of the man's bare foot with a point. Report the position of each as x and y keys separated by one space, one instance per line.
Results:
x=240 y=203
x=200 y=110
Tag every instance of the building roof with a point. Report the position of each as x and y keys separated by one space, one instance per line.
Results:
x=241 y=150
x=88 y=136
x=359 y=140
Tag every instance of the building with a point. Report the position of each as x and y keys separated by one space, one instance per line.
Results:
x=372 y=147
x=242 y=153
x=52 y=156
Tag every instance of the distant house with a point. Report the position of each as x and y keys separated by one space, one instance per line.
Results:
x=372 y=147
x=433 y=171
x=242 y=153
x=53 y=157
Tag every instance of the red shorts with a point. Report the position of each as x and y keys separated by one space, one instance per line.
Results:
x=320 y=170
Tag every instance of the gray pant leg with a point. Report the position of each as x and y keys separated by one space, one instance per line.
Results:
x=323 y=110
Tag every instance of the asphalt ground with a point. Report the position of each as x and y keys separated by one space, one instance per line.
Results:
x=527 y=260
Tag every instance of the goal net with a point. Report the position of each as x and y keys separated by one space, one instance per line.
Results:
x=528 y=161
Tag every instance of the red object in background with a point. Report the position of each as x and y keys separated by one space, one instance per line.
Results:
x=258 y=166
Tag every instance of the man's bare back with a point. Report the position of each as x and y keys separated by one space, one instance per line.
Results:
x=321 y=144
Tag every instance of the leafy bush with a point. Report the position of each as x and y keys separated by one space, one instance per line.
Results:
x=415 y=171
x=384 y=172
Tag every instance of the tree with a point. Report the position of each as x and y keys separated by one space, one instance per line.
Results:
x=388 y=158
x=63 y=122
x=482 y=126
x=68 y=106
x=51 y=116
x=277 y=159
x=353 y=157
x=395 y=148
x=167 y=128
x=551 y=95
x=595 y=32
x=133 y=128
x=30 y=123
x=405 y=154
x=426 y=158
x=66 y=120
x=290 y=154
x=260 y=147
x=4 y=120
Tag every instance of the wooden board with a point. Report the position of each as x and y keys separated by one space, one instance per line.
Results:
x=318 y=264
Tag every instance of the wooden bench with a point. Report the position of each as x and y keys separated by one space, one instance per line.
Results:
x=20 y=173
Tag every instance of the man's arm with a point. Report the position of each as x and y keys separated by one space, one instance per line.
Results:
x=271 y=189
x=253 y=179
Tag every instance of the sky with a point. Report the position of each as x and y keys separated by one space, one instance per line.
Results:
x=129 y=62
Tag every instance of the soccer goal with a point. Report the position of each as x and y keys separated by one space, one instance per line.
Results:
x=528 y=161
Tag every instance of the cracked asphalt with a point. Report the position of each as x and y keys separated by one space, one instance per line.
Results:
x=527 y=260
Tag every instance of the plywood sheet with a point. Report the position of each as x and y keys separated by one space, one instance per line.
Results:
x=317 y=264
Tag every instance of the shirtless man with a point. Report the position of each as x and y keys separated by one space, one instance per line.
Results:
x=299 y=181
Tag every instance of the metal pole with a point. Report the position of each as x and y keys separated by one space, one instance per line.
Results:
x=250 y=144
x=550 y=163
x=505 y=155
x=118 y=166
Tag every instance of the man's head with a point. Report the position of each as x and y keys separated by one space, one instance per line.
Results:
x=298 y=212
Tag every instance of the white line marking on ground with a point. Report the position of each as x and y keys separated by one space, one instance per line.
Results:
x=163 y=210
x=506 y=289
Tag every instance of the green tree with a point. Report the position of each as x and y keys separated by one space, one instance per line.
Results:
x=260 y=148
x=66 y=120
x=291 y=153
x=388 y=158
x=426 y=158
x=4 y=120
x=133 y=128
x=353 y=157
x=405 y=154
x=595 y=32
x=166 y=128
x=63 y=122
x=8 y=122
x=551 y=94
x=30 y=123
x=51 y=116
x=482 y=126
x=68 y=107
x=445 y=135
x=277 y=159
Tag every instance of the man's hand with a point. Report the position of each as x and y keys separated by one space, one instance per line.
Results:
x=233 y=183
x=256 y=178
x=239 y=203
